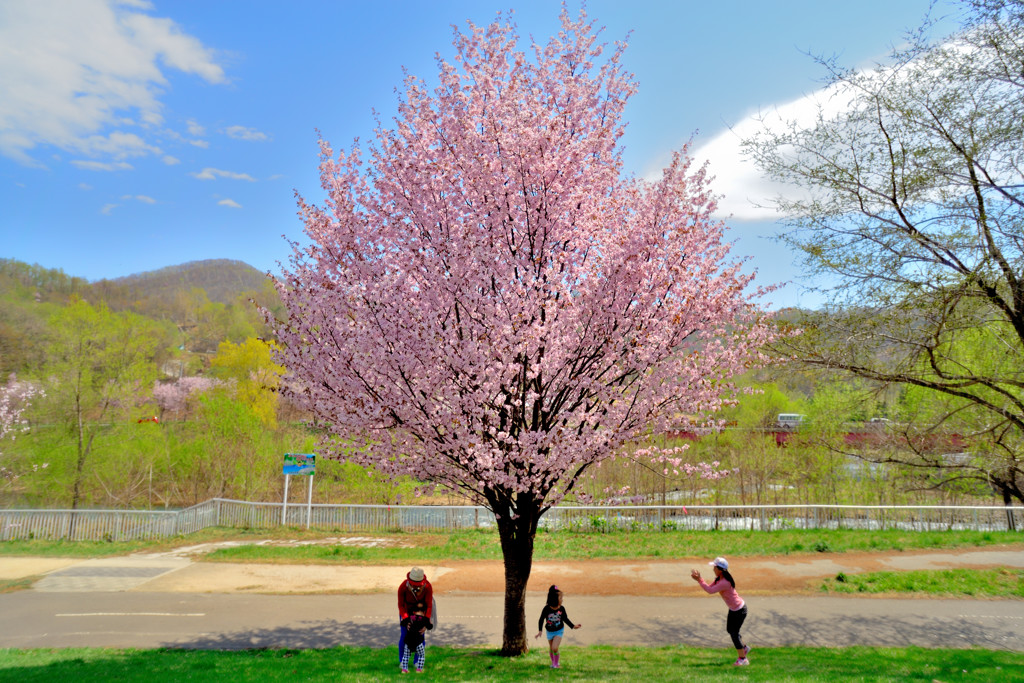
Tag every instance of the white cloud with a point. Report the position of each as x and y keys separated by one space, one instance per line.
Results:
x=102 y=166
x=746 y=192
x=139 y=198
x=243 y=133
x=194 y=128
x=107 y=208
x=214 y=173
x=171 y=161
x=84 y=186
x=117 y=145
x=203 y=144
x=73 y=73
x=229 y=202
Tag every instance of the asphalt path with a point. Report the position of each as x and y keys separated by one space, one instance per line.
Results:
x=169 y=600
x=138 y=619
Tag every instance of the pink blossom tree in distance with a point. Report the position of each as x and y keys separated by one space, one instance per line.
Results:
x=488 y=303
x=14 y=398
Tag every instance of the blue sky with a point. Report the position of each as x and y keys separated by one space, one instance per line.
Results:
x=136 y=135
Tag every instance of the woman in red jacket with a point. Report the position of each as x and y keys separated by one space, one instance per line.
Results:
x=414 y=589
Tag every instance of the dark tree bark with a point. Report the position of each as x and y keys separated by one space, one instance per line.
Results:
x=516 y=533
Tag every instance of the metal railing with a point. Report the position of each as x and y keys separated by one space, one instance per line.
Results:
x=124 y=525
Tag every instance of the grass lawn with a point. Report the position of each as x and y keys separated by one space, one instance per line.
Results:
x=483 y=545
x=578 y=664
x=955 y=583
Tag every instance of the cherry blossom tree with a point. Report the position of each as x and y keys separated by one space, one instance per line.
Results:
x=14 y=398
x=489 y=304
x=173 y=397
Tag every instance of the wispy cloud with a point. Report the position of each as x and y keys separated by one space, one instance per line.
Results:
x=229 y=202
x=139 y=198
x=171 y=161
x=243 y=133
x=214 y=173
x=107 y=208
x=194 y=129
x=76 y=74
x=102 y=166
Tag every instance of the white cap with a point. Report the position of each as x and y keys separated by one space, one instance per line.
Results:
x=720 y=562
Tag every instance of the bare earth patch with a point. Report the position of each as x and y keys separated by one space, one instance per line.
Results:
x=777 y=575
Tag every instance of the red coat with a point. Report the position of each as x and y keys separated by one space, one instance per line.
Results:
x=409 y=593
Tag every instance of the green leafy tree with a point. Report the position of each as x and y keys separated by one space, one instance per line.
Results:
x=913 y=212
x=255 y=375
x=98 y=367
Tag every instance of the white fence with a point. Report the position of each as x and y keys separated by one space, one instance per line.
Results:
x=122 y=525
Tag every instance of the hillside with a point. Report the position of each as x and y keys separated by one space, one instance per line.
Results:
x=206 y=301
x=222 y=279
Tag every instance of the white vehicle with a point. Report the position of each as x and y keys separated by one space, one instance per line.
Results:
x=789 y=420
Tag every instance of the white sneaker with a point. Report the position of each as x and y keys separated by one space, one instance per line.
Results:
x=741 y=662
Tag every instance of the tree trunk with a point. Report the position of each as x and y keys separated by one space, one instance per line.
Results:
x=80 y=460
x=1011 y=520
x=517 y=536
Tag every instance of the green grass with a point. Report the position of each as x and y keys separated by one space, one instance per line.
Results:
x=483 y=544
x=62 y=548
x=603 y=663
x=14 y=585
x=975 y=583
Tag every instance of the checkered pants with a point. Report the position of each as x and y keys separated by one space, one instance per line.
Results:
x=419 y=660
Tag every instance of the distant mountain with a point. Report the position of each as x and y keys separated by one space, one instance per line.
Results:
x=222 y=279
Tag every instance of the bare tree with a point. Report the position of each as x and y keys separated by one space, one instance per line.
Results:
x=911 y=200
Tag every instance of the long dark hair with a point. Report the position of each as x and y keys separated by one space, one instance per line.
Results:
x=725 y=575
x=554 y=597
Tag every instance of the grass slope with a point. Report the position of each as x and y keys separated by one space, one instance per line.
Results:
x=578 y=664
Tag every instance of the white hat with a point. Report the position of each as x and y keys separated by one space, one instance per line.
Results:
x=416 y=575
x=720 y=562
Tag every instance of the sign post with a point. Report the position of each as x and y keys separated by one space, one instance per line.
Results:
x=303 y=464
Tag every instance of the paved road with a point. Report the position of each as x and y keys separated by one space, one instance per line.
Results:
x=166 y=600
x=34 y=619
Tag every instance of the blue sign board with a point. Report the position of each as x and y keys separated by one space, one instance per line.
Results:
x=299 y=463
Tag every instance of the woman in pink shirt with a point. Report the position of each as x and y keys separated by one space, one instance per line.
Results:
x=725 y=586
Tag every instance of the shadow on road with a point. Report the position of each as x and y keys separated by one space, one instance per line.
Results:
x=326 y=634
x=888 y=631
x=772 y=628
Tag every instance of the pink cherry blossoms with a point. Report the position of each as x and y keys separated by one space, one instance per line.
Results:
x=14 y=398
x=488 y=303
x=172 y=397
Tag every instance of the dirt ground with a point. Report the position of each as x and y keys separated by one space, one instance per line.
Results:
x=777 y=575
x=183 y=570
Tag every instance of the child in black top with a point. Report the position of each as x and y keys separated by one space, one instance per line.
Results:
x=416 y=626
x=554 y=618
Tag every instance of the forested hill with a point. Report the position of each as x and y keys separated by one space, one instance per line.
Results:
x=222 y=279
x=200 y=304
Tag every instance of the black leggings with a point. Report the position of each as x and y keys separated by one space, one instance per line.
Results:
x=733 y=624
